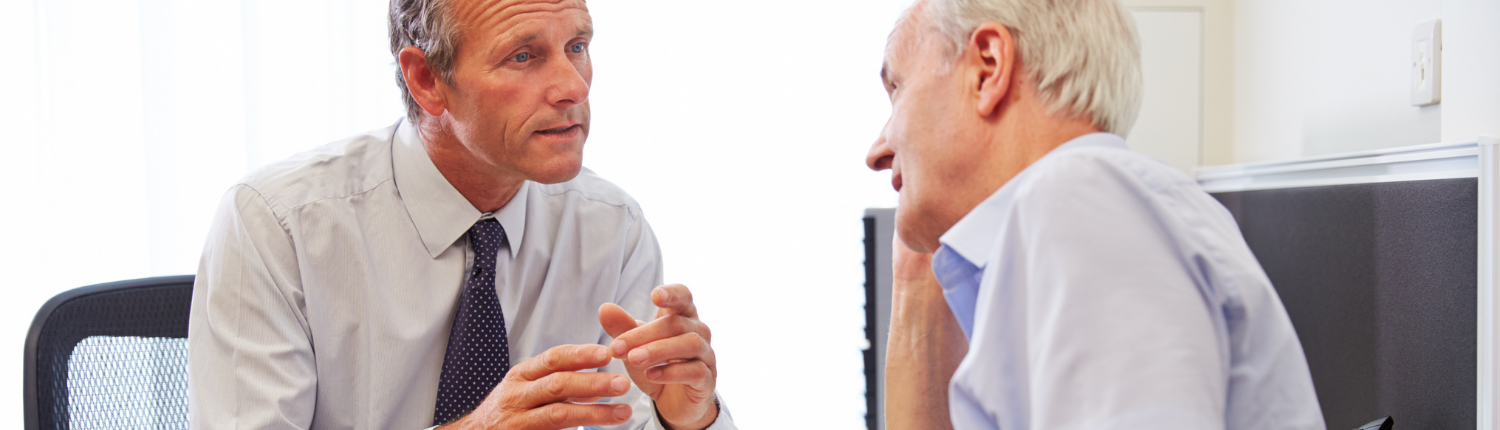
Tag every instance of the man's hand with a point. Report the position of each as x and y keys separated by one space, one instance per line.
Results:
x=546 y=392
x=923 y=347
x=911 y=269
x=669 y=357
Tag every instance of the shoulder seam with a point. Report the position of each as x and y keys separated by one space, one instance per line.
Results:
x=283 y=212
x=280 y=218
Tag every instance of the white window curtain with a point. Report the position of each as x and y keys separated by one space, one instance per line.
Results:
x=739 y=126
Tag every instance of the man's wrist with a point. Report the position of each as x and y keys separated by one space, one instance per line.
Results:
x=707 y=420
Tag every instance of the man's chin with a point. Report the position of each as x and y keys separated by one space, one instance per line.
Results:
x=915 y=229
x=557 y=174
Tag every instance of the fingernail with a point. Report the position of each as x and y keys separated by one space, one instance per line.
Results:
x=665 y=296
x=622 y=412
x=639 y=355
x=619 y=384
x=601 y=354
x=618 y=347
x=653 y=373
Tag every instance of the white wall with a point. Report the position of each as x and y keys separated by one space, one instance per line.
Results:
x=1215 y=77
x=741 y=128
x=1170 y=124
x=1315 y=78
x=1320 y=77
x=1471 y=69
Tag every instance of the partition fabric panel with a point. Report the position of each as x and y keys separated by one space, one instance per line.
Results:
x=1386 y=261
x=1379 y=280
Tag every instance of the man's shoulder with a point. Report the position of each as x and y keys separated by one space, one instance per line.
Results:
x=590 y=188
x=342 y=168
x=1107 y=176
x=1111 y=184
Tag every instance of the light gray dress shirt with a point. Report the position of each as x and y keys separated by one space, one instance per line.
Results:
x=330 y=282
x=1102 y=289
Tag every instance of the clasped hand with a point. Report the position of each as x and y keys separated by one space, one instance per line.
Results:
x=669 y=358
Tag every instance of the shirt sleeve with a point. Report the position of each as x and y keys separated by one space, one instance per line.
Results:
x=1120 y=331
x=250 y=356
x=642 y=272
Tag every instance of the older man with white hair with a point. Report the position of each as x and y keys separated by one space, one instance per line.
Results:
x=1046 y=276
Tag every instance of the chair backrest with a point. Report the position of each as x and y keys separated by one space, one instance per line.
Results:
x=110 y=356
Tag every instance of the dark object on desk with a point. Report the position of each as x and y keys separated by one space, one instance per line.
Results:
x=110 y=356
x=1380 y=283
x=1380 y=424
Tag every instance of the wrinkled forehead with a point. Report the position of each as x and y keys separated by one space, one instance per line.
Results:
x=909 y=34
x=492 y=16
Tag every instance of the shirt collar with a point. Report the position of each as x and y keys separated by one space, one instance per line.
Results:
x=440 y=213
x=973 y=237
x=512 y=218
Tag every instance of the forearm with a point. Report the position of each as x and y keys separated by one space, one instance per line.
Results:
x=923 y=350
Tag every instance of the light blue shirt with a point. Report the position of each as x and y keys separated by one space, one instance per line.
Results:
x=1102 y=289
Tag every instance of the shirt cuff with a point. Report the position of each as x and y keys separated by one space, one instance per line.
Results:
x=723 y=422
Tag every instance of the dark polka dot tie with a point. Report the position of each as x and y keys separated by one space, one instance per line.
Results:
x=478 y=353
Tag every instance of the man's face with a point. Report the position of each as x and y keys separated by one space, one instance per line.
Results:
x=519 y=103
x=929 y=142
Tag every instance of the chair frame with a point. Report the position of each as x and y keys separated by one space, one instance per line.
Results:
x=33 y=412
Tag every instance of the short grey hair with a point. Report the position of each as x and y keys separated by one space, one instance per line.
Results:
x=1083 y=55
x=429 y=26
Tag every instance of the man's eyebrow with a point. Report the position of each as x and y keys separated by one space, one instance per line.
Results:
x=587 y=29
x=884 y=75
x=495 y=49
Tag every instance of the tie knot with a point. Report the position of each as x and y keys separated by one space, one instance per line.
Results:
x=486 y=236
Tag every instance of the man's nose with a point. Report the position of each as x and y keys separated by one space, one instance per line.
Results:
x=568 y=87
x=880 y=155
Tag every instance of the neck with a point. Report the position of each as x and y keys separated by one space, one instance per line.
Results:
x=483 y=184
x=1023 y=135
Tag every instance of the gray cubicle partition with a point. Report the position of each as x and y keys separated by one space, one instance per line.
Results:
x=1379 y=280
x=1386 y=262
x=880 y=227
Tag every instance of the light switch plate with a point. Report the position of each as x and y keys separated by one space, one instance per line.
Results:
x=1427 y=63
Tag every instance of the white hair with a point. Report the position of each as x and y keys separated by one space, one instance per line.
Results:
x=1083 y=55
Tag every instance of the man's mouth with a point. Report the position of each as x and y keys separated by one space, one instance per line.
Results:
x=896 y=181
x=561 y=130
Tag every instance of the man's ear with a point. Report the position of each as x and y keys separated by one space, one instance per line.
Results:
x=992 y=52
x=421 y=81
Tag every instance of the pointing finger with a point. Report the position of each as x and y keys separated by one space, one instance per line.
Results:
x=666 y=327
x=675 y=298
x=689 y=346
x=615 y=320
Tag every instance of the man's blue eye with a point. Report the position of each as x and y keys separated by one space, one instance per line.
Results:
x=578 y=47
x=522 y=57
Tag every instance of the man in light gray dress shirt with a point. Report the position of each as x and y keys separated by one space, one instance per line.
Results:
x=330 y=281
x=1071 y=283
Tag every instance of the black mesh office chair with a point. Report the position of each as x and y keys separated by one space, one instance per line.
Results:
x=110 y=356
